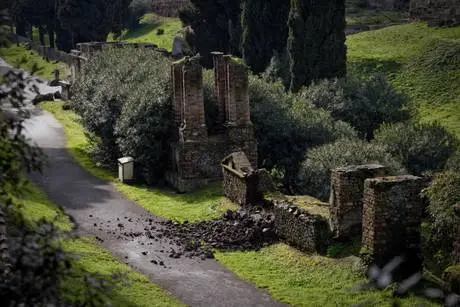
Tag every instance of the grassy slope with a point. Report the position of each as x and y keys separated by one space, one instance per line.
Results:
x=19 y=57
x=420 y=61
x=300 y=279
x=203 y=204
x=92 y=258
x=147 y=32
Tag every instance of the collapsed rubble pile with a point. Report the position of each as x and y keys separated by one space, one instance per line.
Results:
x=245 y=229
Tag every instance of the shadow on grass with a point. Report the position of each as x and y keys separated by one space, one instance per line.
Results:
x=368 y=66
x=143 y=30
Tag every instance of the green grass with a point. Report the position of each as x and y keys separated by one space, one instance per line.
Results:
x=147 y=32
x=359 y=16
x=300 y=279
x=422 y=62
x=29 y=60
x=203 y=204
x=138 y=291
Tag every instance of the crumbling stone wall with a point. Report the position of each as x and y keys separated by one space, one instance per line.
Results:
x=169 y=8
x=346 y=201
x=440 y=12
x=306 y=231
x=240 y=180
x=392 y=215
x=196 y=156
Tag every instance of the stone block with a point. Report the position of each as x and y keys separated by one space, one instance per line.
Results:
x=346 y=201
x=392 y=215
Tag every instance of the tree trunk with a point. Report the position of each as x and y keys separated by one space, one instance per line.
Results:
x=41 y=35
x=51 y=37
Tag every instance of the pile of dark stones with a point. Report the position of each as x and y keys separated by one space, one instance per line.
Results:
x=245 y=229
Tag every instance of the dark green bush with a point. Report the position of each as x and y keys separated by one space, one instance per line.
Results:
x=285 y=128
x=419 y=147
x=123 y=97
x=278 y=69
x=315 y=173
x=443 y=195
x=365 y=104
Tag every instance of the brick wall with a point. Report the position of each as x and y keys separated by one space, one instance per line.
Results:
x=346 y=202
x=392 y=213
x=441 y=12
x=306 y=231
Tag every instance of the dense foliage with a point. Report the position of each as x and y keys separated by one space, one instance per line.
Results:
x=314 y=176
x=365 y=104
x=285 y=128
x=264 y=24
x=316 y=42
x=215 y=26
x=123 y=97
x=70 y=21
x=419 y=147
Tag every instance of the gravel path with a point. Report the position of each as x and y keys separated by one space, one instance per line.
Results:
x=127 y=230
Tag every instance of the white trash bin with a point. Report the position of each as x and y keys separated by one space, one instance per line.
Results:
x=126 y=169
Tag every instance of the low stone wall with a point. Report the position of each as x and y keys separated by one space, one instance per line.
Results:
x=440 y=12
x=306 y=231
x=51 y=53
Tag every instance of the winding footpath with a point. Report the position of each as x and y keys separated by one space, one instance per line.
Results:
x=99 y=210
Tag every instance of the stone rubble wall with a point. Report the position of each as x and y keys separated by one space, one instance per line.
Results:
x=439 y=12
x=308 y=232
x=392 y=216
x=346 y=201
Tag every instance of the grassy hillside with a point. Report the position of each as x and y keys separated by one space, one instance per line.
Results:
x=421 y=61
x=150 y=31
x=29 y=60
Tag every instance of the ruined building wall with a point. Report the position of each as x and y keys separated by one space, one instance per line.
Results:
x=442 y=12
x=346 y=202
x=169 y=8
x=392 y=216
x=196 y=156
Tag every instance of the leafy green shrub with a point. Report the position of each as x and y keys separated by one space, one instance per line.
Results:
x=278 y=69
x=453 y=164
x=123 y=97
x=160 y=31
x=419 y=147
x=443 y=195
x=285 y=129
x=315 y=173
x=365 y=104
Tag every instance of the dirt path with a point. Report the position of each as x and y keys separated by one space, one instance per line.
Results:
x=120 y=225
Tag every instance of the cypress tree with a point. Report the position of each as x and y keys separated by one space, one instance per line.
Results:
x=265 y=31
x=316 y=42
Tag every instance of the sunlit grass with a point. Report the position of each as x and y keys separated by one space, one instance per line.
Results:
x=422 y=62
x=29 y=60
x=148 y=31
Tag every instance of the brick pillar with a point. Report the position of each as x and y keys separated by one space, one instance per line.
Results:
x=177 y=102
x=220 y=84
x=392 y=215
x=346 y=202
x=238 y=96
x=194 y=125
x=75 y=66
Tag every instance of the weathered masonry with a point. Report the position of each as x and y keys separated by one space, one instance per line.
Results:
x=439 y=12
x=346 y=201
x=196 y=155
x=392 y=216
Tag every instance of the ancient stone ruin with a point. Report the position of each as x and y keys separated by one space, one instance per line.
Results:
x=196 y=154
x=439 y=12
x=240 y=180
x=346 y=201
x=392 y=216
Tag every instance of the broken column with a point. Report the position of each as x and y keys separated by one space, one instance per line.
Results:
x=392 y=215
x=346 y=201
x=240 y=130
x=220 y=85
x=76 y=64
